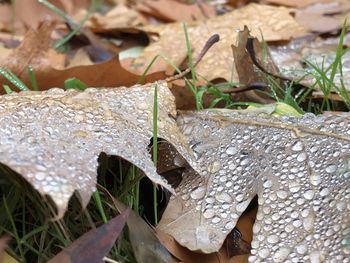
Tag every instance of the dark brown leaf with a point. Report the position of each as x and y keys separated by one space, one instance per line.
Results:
x=93 y=245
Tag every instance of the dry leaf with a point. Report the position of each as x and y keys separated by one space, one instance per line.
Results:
x=118 y=17
x=298 y=4
x=35 y=51
x=171 y=11
x=246 y=70
x=324 y=17
x=53 y=138
x=298 y=167
x=188 y=256
x=145 y=244
x=274 y=22
x=3 y=244
x=95 y=244
x=30 y=13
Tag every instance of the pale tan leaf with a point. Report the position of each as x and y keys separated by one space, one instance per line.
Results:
x=53 y=138
x=275 y=23
x=298 y=167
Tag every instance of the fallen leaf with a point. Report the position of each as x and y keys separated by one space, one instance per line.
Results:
x=81 y=58
x=188 y=256
x=53 y=138
x=297 y=4
x=30 y=13
x=297 y=166
x=317 y=17
x=95 y=244
x=146 y=246
x=171 y=11
x=275 y=23
x=3 y=244
x=35 y=50
x=246 y=70
x=118 y=17
x=290 y=59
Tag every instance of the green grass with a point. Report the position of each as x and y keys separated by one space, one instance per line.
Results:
x=325 y=76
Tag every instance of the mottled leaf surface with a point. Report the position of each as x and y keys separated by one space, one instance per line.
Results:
x=276 y=23
x=298 y=167
x=53 y=138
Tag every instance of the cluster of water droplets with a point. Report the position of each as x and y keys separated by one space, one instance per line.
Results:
x=300 y=177
x=53 y=138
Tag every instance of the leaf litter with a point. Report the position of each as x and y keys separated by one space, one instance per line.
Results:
x=298 y=167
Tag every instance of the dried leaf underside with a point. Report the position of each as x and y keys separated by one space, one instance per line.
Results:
x=275 y=22
x=53 y=138
x=298 y=167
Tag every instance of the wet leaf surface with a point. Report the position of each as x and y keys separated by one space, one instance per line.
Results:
x=53 y=138
x=298 y=167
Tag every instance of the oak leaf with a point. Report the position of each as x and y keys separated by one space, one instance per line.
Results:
x=53 y=138
x=298 y=167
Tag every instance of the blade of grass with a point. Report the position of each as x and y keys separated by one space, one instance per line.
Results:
x=7 y=89
x=155 y=148
x=32 y=78
x=77 y=27
x=99 y=205
x=12 y=78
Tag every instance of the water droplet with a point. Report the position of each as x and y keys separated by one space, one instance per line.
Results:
x=308 y=223
x=216 y=220
x=297 y=223
x=198 y=193
x=315 y=257
x=301 y=249
x=301 y=157
x=223 y=179
x=331 y=168
x=324 y=192
x=240 y=197
x=289 y=228
x=231 y=150
x=346 y=241
x=209 y=213
x=282 y=194
x=309 y=194
x=210 y=200
x=272 y=239
x=245 y=161
x=281 y=254
x=264 y=253
x=297 y=147
x=294 y=187
x=315 y=179
x=142 y=106
x=40 y=176
x=41 y=167
x=267 y=184
x=341 y=206
x=214 y=167
x=223 y=197
x=347 y=175
x=229 y=225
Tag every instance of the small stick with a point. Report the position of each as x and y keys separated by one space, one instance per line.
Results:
x=251 y=86
x=210 y=42
x=251 y=51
